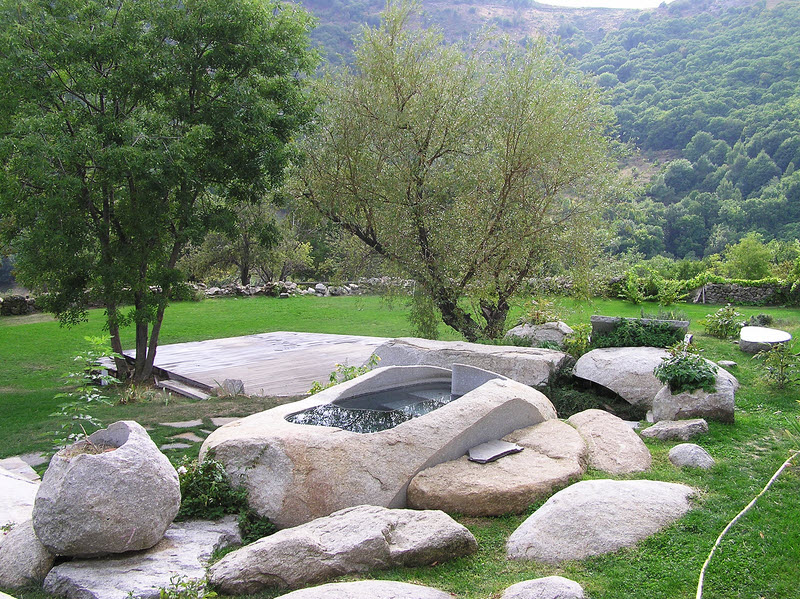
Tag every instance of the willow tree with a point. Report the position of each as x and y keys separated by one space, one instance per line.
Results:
x=470 y=168
x=119 y=121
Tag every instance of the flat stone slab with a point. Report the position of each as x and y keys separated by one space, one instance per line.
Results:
x=223 y=420
x=614 y=447
x=755 y=339
x=191 y=437
x=554 y=455
x=182 y=424
x=676 y=430
x=368 y=589
x=549 y=587
x=491 y=451
x=17 y=495
x=528 y=365
x=627 y=371
x=20 y=467
x=184 y=551
x=597 y=516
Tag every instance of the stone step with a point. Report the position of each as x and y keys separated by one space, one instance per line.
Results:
x=183 y=389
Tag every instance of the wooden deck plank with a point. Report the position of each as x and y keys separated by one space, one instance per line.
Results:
x=273 y=364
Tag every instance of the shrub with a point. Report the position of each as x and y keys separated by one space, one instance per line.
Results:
x=638 y=333
x=631 y=290
x=206 y=492
x=724 y=323
x=780 y=365
x=684 y=370
x=344 y=373
x=540 y=311
x=577 y=343
x=760 y=320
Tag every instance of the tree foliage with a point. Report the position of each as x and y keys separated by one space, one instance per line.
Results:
x=118 y=120
x=470 y=169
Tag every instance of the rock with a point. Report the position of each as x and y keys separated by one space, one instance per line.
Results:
x=17 y=496
x=718 y=405
x=20 y=467
x=691 y=455
x=232 y=387
x=549 y=332
x=676 y=430
x=550 y=587
x=755 y=339
x=353 y=540
x=727 y=363
x=554 y=454
x=294 y=473
x=23 y=559
x=15 y=305
x=627 y=371
x=120 y=500
x=597 y=516
x=184 y=551
x=368 y=589
x=531 y=366
x=614 y=447
x=606 y=324
x=320 y=289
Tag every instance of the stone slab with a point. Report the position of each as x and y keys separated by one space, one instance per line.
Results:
x=368 y=589
x=755 y=339
x=19 y=466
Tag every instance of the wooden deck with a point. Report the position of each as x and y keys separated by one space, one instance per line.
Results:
x=270 y=364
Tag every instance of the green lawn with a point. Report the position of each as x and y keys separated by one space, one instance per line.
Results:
x=759 y=558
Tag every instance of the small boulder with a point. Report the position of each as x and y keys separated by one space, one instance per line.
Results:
x=614 y=447
x=597 y=516
x=548 y=332
x=550 y=587
x=627 y=371
x=352 y=540
x=554 y=454
x=23 y=559
x=691 y=455
x=676 y=430
x=717 y=405
x=368 y=589
x=111 y=493
x=755 y=339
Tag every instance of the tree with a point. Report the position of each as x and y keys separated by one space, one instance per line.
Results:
x=120 y=121
x=748 y=259
x=470 y=169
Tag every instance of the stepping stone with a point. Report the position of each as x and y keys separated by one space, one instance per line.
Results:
x=183 y=389
x=168 y=446
x=368 y=589
x=676 y=430
x=554 y=454
x=17 y=494
x=755 y=339
x=35 y=459
x=594 y=517
x=188 y=437
x=20 y=467
x=223 y=420
x=184 y=551
x=184 y=424
x=550 y=587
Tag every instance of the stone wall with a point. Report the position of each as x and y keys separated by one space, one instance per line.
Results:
x=732 y=293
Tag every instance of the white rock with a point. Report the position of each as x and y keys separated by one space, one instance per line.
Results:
x=755 y=339
x=671 y=430
x=554 y=455
x=294 y=473
x=184 y=551
x=23 y=559
x=627 y=371
x=357 y=539
x=550 y=587
x=119 y=500
x=17 y=495
x=690 y=455
x=368 y=589
x=528 y=365
x=614 y=447
x=19 y=467
x=596 y=517
x=718 y=405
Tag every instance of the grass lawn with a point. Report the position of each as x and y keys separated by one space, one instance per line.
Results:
x=758 y=559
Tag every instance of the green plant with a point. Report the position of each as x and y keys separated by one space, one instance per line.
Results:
x=344 y=373
x=760 y=320
x=662 y=314
x=540 y=311
x=684 y=371
x=632 y=332
x=577 y=342
x=183 y=587
x=780 y=364
x=631 y=290
x=206 y=492
x=669 y=292
x=724 y=323
x=253 y=527
x=76 y=413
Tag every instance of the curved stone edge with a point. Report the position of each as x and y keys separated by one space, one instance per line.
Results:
x=368 y=589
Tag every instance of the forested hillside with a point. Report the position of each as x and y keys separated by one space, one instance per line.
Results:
x=720 y=88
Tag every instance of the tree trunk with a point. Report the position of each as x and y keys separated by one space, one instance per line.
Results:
x=123 y=369
x=495 y=314
x=457 y=318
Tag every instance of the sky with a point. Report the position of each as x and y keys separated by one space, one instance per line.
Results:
x=640 y=4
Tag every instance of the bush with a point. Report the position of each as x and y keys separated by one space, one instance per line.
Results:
x=724 y=323
x=780 y=365
x=760 y=320
x=206 y=492
x=540 y=311
x=686 y=370
x=638 y=333
x=577 y=343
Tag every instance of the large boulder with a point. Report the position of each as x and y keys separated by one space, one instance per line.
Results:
x=294 y=473
x=368 y=589
x=717 y=405
x=614 y=447
x=111 y=493
x=597 y=516
x=548 y=332
x=184 y=551
x=549 y=587
x=357 y=539
x=554 y=454
x=528 y=365
x=627 y=371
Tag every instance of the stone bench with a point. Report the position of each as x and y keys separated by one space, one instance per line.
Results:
x=755 y=339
